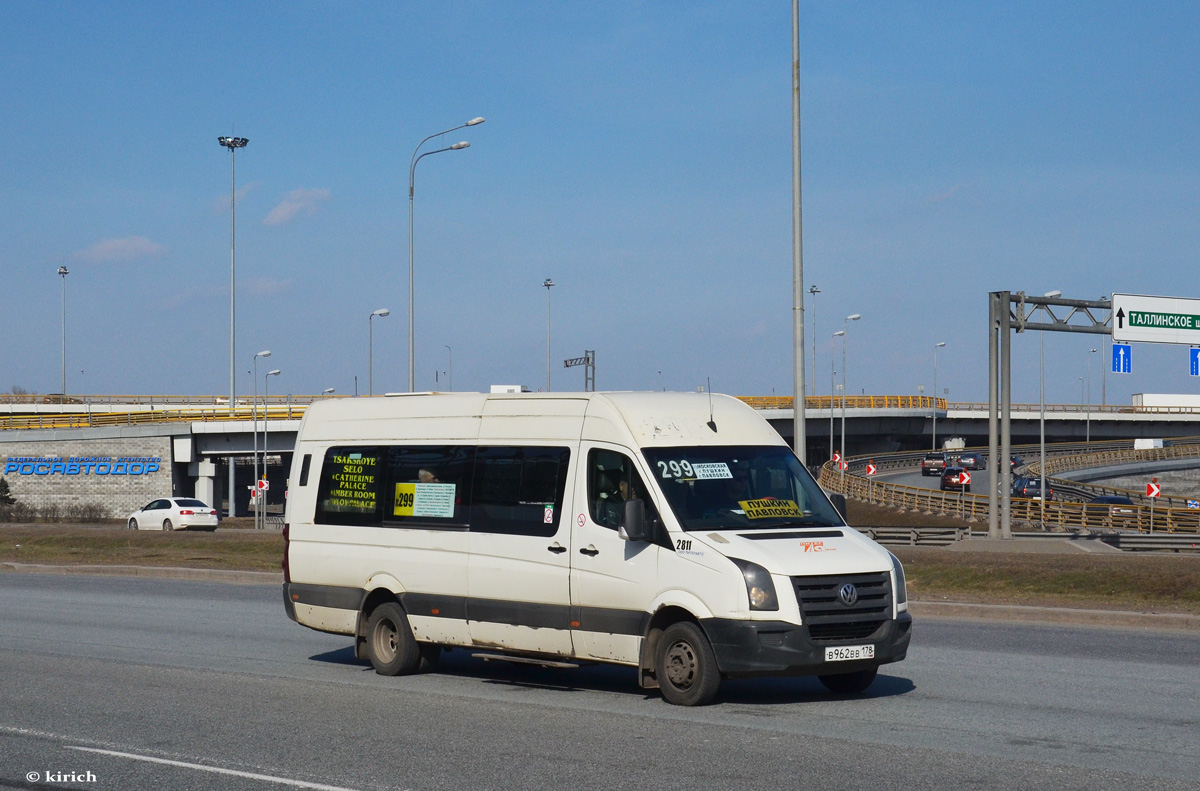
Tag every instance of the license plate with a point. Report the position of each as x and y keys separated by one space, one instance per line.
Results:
x=842 y=653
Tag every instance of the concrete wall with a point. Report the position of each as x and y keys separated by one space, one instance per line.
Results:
x=119 y=473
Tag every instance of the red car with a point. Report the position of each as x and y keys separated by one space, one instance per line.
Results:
x=956 y=479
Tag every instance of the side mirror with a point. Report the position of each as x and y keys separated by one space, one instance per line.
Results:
x=634 y=527
x=839 y=502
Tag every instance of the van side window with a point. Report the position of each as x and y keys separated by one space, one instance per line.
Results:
x=427 y=485
x=519 y=490
x=304 y=465
x=350 y=487
x=612 y=479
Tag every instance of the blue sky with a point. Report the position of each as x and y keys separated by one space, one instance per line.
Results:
x=638 y=153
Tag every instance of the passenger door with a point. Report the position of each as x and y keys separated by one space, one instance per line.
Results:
x=518 y=573
x=613 y=581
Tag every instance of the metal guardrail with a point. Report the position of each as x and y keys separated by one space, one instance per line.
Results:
x=1156 y=543
x=947 y=536
x=1054 y=515
x=915 y=536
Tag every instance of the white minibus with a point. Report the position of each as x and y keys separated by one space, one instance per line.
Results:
x=676 y=533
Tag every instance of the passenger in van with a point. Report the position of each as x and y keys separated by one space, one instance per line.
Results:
x=425 y=476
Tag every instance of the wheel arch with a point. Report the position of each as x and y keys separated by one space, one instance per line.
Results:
x=380 y=589
x=662 y=618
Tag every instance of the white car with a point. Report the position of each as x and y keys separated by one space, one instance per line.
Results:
x=173 y=513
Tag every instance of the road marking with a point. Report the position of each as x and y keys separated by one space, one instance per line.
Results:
x=214 y=769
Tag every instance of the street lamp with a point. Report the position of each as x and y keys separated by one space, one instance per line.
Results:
x=450 y=367
x=254 y=423
x=548 y=284
x=233 y=144
x=1042 y=418
x=813 y=290
x=1088 y=435
x=327 y=390
x=412 y=171
x=845 y=329
x=371 y=349
x=63 y=272
x=262 y=499
x=832 y=376
x=935 y=348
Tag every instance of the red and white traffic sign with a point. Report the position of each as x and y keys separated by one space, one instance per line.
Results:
x=264 y=484
x=1153 y=490
x=871 y=468
x=841 y=465
x=964 y=477
x=837 y=456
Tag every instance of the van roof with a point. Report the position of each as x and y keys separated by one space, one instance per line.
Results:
x=641 y=418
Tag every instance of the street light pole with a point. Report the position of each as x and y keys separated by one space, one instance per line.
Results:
x=450 y=366
x=935 y=348
x=548 y=284
x=233 y=144
x=412 y=170
x=799 y=432
x=63 y=272
x=832 y=386
x=262 y=498
x=371 y=349
x=254 y=424
x=1088 y=435
x=845 y=335
x=1042 y=418
x=814 y=291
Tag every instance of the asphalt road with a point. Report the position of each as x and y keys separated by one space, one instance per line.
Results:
x=144 y=683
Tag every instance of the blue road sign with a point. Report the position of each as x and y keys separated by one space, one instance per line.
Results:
x=1194 y=362
x=1122 y=358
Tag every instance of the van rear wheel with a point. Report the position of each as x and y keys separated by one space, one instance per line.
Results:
x=849 y=683
x=390 y=644
x=686 y=666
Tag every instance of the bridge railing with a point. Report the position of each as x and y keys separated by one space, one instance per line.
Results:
x=1179 y=449
x=1060 y=515
x=851 y=402
x=95 y=419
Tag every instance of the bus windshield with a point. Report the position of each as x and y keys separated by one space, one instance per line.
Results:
x=739 y=487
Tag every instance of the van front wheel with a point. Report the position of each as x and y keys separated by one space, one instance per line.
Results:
x=687 y=667
x=390 y=644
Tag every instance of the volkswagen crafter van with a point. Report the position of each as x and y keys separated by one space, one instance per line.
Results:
x=672 y=532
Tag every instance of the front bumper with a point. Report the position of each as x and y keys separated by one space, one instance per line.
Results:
x=750 y=648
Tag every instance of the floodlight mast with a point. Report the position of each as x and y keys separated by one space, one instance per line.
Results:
x=233 y=144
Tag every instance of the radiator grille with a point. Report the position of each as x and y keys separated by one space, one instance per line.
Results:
x=829 y=620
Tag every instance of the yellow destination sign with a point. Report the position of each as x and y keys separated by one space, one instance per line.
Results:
x=761 y=509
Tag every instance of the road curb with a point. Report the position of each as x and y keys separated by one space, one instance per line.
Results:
x=161 y=572
x=1056 y=615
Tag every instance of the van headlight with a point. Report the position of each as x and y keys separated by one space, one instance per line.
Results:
x=759 y=586
x=901 y=585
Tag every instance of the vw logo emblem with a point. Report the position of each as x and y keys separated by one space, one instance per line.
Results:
x=848 y=594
